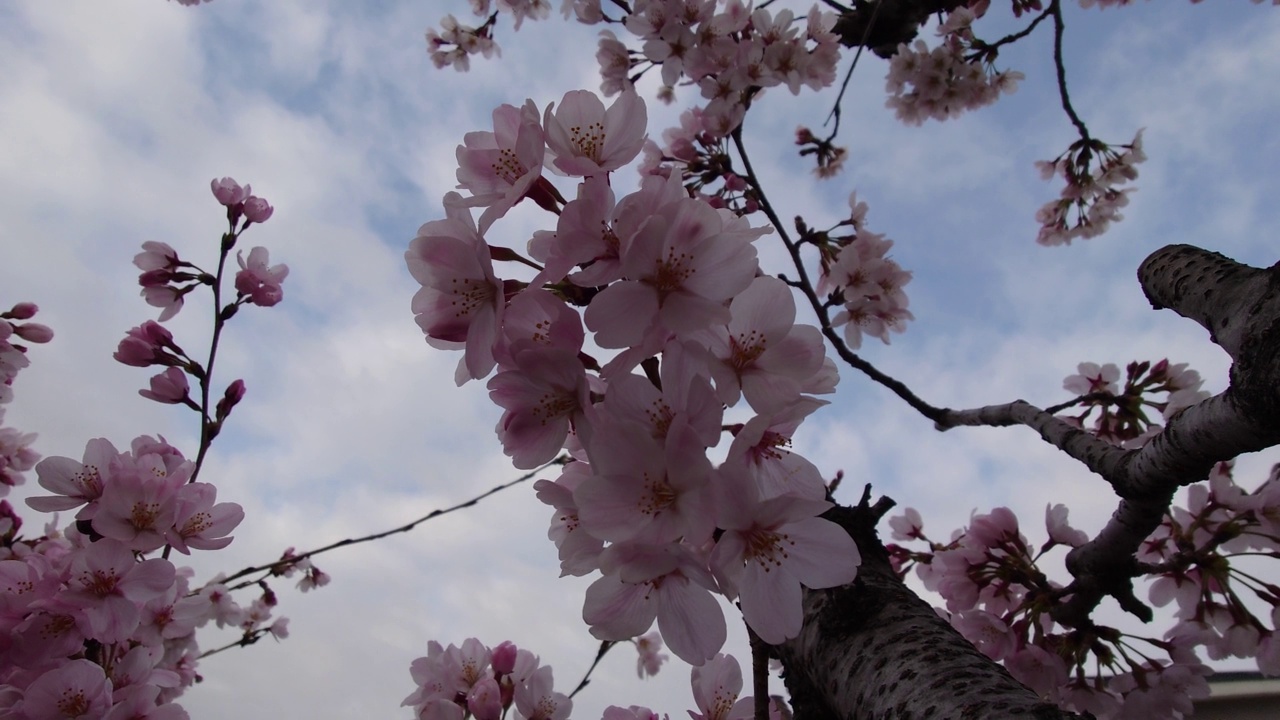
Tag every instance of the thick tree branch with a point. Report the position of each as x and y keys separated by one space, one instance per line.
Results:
x=873 y=650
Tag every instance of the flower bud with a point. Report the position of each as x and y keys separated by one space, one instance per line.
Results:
x=232 y=397
x=256 y=210
x=504 y=658
x=34 y=332
x=22 y=311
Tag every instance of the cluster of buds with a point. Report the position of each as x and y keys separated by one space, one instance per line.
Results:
x=1090 y=194
x=1122 y=417
x=166 y=279
x=701 y=157
x=830 y=158
x=16 y=455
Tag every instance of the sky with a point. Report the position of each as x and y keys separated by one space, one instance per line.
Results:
x=115 y=114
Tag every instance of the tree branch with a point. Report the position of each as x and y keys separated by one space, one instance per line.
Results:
x=873 y=649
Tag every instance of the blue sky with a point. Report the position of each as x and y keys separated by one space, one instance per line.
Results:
x=116 y=113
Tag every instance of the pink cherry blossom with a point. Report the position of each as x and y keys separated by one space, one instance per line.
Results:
x=536 y=700
x=986 y=631
x=544 y=394
x=168 y=387
x=908 y=525
x=762 y=353
x=74 y=483
x=257 y=210
x=643 y=488
x=1055 y=520
x=584 y=139
x=584 y=236
x=770 y=548
x=579 y=550
x=686 y=393
x=461 y=302
x=1092 y=378
x=258 y=281
x=762 y=447
x=139 y=504
x=679 y=270
x=650 y=658
x=198 y=522
x=107 y=585
x=662 y=582
x=77 y=689
x=716 y=689
x=500 y=168
x=228 y=191
x=148 y=344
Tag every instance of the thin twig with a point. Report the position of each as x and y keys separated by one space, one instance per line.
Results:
x=605 y=645
x=937 y=415
x=1058 y=28
x=835 y=109
x=293 y=559
x=1020 y=34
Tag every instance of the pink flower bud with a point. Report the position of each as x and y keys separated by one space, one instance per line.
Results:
x=232 y=397
x=22 y=311
x=256 y=210
x=485 y=699
x=146 y=345
x=34 y=332
x=169 y=387
x=504 y=658
x=228 y=191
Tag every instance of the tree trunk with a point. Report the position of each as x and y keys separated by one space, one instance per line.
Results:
x=873 y=650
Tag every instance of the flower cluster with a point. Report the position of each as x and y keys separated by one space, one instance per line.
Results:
x=1122 y=417
x=999 y=599
x=1196 y=551
x=91 y=627
x=944 y=82
x=166 y=279
x=16 y=455
x=476 y=681
x=95 y=621
x=673 y=286
x=1090 y=195
x=454 y=683
x=732 y=56
x=455 y=43
x=858 y=274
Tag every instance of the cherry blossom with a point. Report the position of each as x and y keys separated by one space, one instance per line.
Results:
x=716 y=689
x=584 y=139
x=500 y=168
x=461 y=302
x=770 y=548
x=258 y=281
x=657 y=582
x=679 y=269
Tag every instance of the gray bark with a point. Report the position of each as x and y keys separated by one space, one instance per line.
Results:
x=873 y=650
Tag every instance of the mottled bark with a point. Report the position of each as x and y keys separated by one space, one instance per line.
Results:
x=1240 y=307
x=873 y=650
